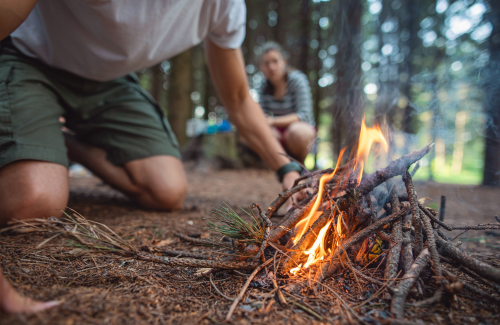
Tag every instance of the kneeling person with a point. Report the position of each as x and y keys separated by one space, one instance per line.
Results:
x=75 y=59
x=285 y=97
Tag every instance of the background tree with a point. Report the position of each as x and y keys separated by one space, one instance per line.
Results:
x=491 y=84
x=179 y=92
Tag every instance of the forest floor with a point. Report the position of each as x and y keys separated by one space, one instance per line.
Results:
x=97 y=289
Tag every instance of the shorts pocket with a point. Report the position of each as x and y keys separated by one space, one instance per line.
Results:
x=6 y=131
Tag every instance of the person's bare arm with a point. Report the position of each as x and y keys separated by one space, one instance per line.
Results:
x=284 y=120
x=228 y=73
x=12 y=14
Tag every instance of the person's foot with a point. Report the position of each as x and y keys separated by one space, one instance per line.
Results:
x=13 y=302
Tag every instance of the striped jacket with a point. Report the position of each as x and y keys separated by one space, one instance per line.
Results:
x=296 y=100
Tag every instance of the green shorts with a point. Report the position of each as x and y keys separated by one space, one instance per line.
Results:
x=117 y=116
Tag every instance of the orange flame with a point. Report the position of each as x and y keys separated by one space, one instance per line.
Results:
x=317 y=252
x=367 y=137
x=303 y=225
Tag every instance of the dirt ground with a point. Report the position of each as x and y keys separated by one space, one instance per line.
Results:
x=97 y=289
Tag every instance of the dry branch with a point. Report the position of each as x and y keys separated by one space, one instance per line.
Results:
x=395 y=168
x=191 y=262
x=396 y=238
x=431 y=214
x=401 y=292
x=482 y=269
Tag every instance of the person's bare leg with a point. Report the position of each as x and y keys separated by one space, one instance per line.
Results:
x=32 y=189
x=157 y=182
x=12 y=302
x=298 y=137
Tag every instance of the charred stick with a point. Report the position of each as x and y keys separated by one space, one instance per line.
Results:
x=442 y=208
x=396 y=238
x=282 y=197
x=267 y=231
x=245 y=286
x=395 y=168
x=408 y=280
x=428 y=213
x=482 y=269
x=370 y=205
x=417 y=224
x=360 y=236
x=191 y=262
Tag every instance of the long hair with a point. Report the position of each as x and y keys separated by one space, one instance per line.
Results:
x=273 y=46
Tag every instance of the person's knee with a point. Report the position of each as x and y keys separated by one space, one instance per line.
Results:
x=300 y=134
x=160 y=182
x=30 y=190
x=38 y=202
x=167 y=196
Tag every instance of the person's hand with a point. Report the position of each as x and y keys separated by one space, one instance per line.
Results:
x=270 y=120
x=12 y=302
x=287 y=184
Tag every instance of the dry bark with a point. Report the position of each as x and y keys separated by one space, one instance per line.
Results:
x=417 y=224
x=396 y=240
x=406 y=251
x=482 y=269
x=408 y=280
x=191 y=262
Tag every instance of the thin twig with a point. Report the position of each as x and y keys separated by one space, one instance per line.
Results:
x=218 y=291
x=245 y=286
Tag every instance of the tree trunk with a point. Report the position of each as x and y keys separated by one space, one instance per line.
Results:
x=304 y=36
x=491 y=85
x=179 y=91
x=348 y=96
x=408 y=124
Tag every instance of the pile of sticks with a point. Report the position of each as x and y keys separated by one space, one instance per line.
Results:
x=411 y=230
x=415 y=247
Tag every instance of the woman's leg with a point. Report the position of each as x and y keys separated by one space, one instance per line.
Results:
x=299 y=136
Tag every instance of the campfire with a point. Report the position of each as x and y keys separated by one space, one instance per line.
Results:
x=349 y=222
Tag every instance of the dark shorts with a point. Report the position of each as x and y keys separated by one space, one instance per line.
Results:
x=117 y=116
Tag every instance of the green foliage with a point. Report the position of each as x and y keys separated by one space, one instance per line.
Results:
x=228 y=223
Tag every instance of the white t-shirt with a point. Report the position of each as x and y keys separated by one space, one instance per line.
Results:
x=106 y=39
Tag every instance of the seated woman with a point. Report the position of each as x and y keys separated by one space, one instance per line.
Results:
x=286 y=98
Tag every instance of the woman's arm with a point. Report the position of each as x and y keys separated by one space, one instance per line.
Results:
x=284 y=120
x=12 y=14
x=228 y=73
